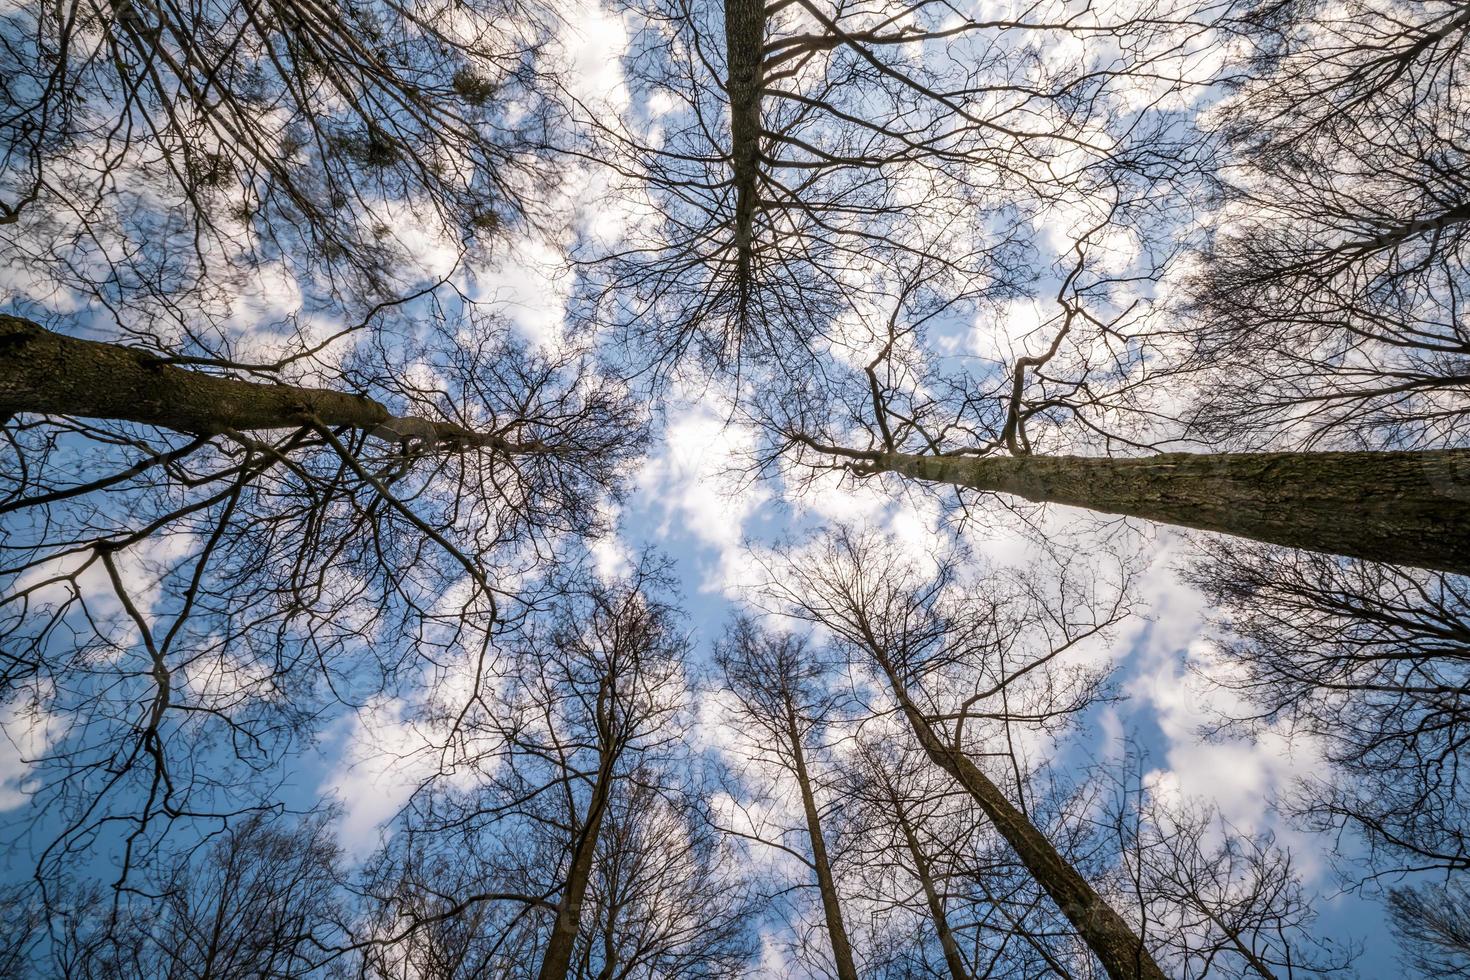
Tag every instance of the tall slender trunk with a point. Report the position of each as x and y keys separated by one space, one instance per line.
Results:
x=1106 y=933
x=557 y=962
x=48 y=373
x=831 y=908
x=745 y=32
x=932 y=897
x=1404 y=508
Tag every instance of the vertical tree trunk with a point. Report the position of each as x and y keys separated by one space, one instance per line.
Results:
x=1403 y=508
x=932 y=897
x=1106 y=933
x=745 y=33
x=557 y=962
x=831 y=908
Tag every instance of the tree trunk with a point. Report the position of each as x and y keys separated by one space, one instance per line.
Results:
x=48 y=373
x=1403 y=508
x=836 y=931
x=745 y=32
x=932 y=897
x=557 y=962
x=1106 y=933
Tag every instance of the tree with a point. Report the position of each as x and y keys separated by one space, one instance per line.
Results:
x=917 y=636
x=156 y=152
x=295 y=418
x=573 y=728
x=781 y=696
x=1323 y=304
x=663 y=897
x=1080 y=420
x=292 y=418
x=666 y=898
x=895 y=811
x=617 y=679
x=273 y=459
x=235 y=542
x=802 y=150
x=899 y=416
x=265 y=898
x=1226 y=902
x=1406 y=507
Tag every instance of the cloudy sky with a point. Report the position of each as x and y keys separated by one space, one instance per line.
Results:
x=693 y=501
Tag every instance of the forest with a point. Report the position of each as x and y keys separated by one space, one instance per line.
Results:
x=695 y=489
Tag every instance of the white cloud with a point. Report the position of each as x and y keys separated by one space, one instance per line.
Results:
x=693 y=483
x=1238 y=776
x=392 y=746
x=25 y=734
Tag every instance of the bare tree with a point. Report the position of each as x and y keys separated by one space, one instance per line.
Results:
x=155 y=152
x=805 y=149
x=266 y=897
x=783 y=698
x=1228 y=903
x=663 y=897
x=200 y=558
x=210 y=532
x=584 y=714
x=1325 y=300
x=897 y=814
x=666 y=898
x=441 y=903
x=918 y=636
x=617 y=680
x=905 y=412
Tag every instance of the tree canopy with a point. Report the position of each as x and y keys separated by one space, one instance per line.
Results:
x=720 y=488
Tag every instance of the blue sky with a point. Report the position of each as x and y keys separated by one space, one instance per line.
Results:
x=690 y=504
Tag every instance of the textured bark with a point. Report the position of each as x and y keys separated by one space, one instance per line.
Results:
x=745 y=31
x=1106 y=933
x=831 y=908
x=1404 y=508
x=48 y=373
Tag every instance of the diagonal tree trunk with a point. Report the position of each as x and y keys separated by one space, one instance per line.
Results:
x=1106 y=933
x=1403 y=508
x=831 y=908
x=48 y=373
x=557 y=963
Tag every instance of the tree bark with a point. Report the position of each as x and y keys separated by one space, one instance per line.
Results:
x=1106 y=933
x=48 y=373
x=831 y=908
x=745 y=32
x=1403 y=508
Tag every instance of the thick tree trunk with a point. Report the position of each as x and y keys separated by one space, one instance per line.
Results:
x=557 y=962
x=745 y=32
x=1106 y=933
x=932 y=897
x=1403 y=508
x=836 y=930
x=47 y=373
